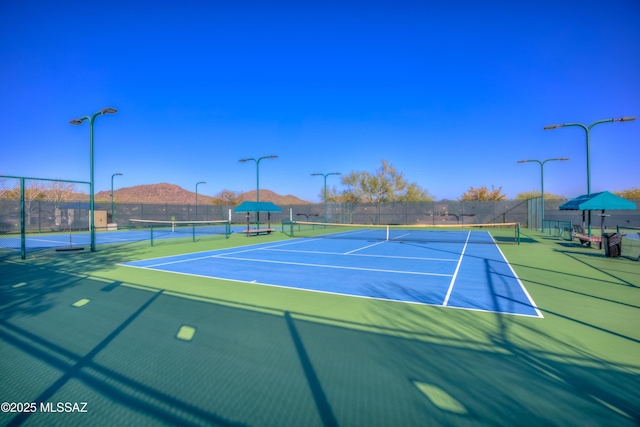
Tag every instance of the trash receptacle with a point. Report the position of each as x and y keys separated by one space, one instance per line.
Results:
x=612 y=244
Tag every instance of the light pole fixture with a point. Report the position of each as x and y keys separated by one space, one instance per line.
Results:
x=564 y=159
x=587 y=130
x=91 y=120
x=325 y=175
x=258 y=180
x=113 y=218
x=201 y=182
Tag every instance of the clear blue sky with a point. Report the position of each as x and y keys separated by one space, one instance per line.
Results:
x=451 y=93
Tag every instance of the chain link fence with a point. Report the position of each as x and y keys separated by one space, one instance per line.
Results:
x=428 y=213
x=447 y=212
x=40 y=207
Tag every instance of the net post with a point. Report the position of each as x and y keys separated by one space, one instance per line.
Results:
x=193 y=231
x=23 y=239
x=387 y=233
x=151 y=234
x=518 y=233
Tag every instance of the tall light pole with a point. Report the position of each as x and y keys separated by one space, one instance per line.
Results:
x=113 y=218
x=91 y=120
x=258 y=180
x=587 y=130
x=201 y=182
x=542 y=178
x=325 y=175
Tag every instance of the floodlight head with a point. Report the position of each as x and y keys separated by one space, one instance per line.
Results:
x=244 y=160
x=523 y=161
x=108 y=110
x=552 y=127
x=271 y=157
x=326 y=174
x=563 y=159
x=117 y=174
x=76 y=122
x=625 y=119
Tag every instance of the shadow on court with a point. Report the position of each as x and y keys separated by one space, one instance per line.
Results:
x=121 y=353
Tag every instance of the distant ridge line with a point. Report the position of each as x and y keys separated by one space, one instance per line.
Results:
x=174 y=194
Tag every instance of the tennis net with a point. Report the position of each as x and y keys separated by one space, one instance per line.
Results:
x=177 y=229
x=454 y=233
x=559 y=229
x=630 y=241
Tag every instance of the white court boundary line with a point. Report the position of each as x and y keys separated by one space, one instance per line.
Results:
x=524 y=289
x=252 y=248
x=254 y=282
x=220 y=253
x=213 y=252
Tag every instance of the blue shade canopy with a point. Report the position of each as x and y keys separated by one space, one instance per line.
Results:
x=598 y=202
x=257 y=207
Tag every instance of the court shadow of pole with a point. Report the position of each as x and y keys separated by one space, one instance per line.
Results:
x=319 y=396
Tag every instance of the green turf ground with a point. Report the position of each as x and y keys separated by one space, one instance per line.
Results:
x=153 y=348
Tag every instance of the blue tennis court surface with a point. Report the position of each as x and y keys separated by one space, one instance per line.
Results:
x=53 y=240
x=459 y=275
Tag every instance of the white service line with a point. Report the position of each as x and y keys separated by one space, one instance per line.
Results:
x=337 y=266
x=364 y=247
x=362 y=255
x=455 y=274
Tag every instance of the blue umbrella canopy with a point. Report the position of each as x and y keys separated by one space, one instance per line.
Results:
x=257 y=207
x=598 y=202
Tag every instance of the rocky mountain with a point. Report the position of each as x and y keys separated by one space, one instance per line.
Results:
x=174 y=194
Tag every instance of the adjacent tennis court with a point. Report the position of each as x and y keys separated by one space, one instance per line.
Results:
x=449 y=270
x=136 y=231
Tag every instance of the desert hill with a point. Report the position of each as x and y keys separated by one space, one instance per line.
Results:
x=270 y=196
x=174 y=194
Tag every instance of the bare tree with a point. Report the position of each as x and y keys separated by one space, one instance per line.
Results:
x=32 y=193
x=59 y=192
x=385 y=185
x=533 y=194
x=483 y=194
x=226 y=198
x=632 y=193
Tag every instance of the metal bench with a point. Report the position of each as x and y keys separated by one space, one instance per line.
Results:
x=258 y=231
x=585 y=240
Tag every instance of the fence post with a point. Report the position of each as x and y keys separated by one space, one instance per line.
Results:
x=23 y=242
